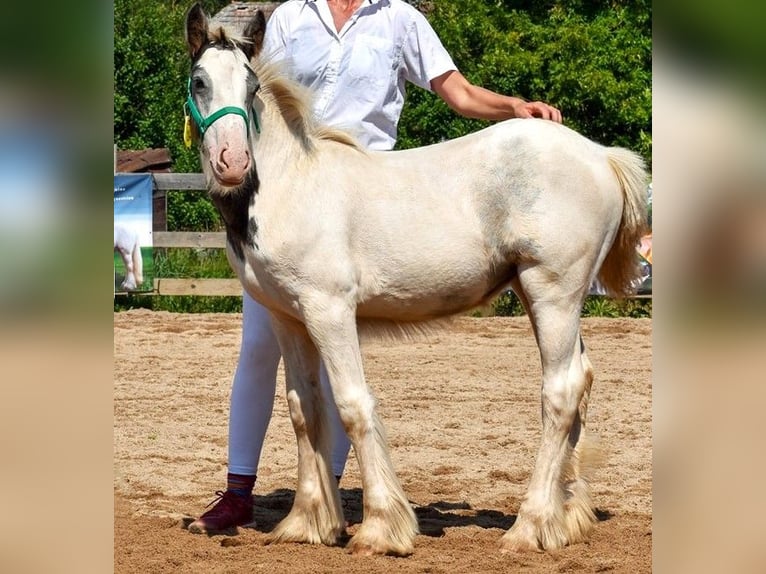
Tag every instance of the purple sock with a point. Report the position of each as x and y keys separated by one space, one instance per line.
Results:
x=240 y=484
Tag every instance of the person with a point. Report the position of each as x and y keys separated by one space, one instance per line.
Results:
x=357 y=56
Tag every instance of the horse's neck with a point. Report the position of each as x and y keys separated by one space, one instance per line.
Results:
x=278 y=148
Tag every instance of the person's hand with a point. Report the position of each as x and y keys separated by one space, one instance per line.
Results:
x=537 y=110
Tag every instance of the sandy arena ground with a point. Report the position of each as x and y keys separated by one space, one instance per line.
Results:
x=461 y=409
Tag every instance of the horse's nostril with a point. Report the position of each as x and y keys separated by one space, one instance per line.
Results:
x=222 y=159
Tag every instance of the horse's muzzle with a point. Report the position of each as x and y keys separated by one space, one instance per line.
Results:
x=230 y=167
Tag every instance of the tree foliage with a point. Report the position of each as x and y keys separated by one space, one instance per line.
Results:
x=150 y=70
x=590 y=58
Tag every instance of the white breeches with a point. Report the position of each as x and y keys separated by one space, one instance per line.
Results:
x=253 y=390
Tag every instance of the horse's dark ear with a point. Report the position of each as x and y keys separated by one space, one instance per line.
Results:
x=196 y=29
x=254 y=32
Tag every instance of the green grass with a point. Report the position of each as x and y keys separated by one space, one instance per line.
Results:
x=184 y=263
x=192 y=263
x=508 y=305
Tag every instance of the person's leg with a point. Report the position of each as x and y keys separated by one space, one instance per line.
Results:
x=340 y=442
x=252 y=393
x=252 y=401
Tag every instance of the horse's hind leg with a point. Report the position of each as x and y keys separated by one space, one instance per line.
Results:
x=578 y=504
x=551 y=514
x=316 y=515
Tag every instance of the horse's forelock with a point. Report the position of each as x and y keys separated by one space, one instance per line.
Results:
x=225 y=38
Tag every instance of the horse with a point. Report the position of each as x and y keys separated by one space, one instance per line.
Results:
x=127 y=244
x=333 y=240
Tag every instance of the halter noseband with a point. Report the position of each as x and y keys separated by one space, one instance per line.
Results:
x=204 y=123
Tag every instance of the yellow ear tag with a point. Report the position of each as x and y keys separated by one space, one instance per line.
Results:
x=187 y=131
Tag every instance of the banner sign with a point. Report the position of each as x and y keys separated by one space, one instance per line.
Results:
x=133 y=258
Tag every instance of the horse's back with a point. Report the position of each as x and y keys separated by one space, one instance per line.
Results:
x=515 y=157
x=510 y=177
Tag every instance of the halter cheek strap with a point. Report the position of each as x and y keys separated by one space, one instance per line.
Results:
x=204 y=123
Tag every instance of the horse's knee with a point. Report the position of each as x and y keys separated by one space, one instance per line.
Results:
x=561 y=397
x=356 y=410
x=307 y=407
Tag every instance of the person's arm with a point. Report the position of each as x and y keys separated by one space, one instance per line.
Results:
x=474 y=101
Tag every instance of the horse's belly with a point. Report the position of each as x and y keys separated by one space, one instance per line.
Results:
x=397 y=309
x=430 y=295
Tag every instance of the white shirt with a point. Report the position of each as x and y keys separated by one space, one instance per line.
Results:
x=358 y=74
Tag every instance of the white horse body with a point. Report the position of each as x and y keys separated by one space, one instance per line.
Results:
x=126 y=243
x=409 y=245
x=326 y=235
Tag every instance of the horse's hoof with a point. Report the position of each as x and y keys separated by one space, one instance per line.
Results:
x=522 y=537
x=366 y=548
x=362 y=550
x=518 y=546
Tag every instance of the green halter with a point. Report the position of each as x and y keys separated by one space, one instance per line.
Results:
x=204 y=123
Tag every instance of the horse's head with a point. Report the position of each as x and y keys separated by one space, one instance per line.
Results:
x=222 y=85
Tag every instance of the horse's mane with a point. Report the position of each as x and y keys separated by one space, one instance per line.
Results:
x=294 y=102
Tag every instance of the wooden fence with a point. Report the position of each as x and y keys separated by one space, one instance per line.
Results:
x=165 y=183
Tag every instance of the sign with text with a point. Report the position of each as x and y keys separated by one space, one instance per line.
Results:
x=133 y=259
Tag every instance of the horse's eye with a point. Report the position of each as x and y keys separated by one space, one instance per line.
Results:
x=198 y=84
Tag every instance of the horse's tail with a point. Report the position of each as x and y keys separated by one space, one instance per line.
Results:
x=620 y=270
x=138 y=263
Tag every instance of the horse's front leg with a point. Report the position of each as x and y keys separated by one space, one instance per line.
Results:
x=316 y=515
x=389 y=525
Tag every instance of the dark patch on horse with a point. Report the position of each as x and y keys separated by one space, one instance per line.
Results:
x=252 y=232
x=234 y=207
x=524 y=249
x=221 y=44
x=455 y=301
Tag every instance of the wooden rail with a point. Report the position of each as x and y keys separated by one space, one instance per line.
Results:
x=210 y=287
x=207 y=240
x=178 y=182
